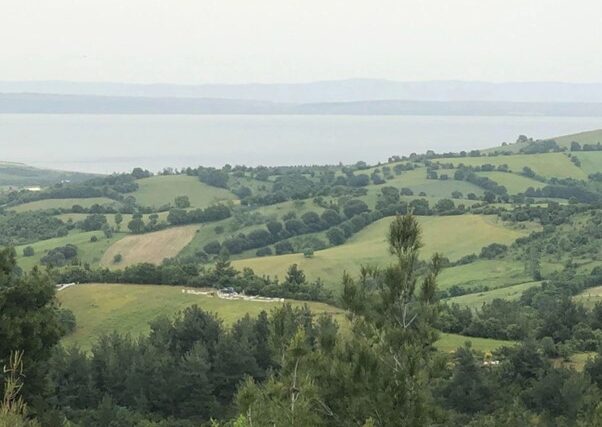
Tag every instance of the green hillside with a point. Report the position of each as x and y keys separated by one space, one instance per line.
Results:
x=453 y=236
x=88 y=251
x=513 y=182
x=103 y=308
x=547 y=165
x=508 y=293
x=591 y=161
x=158 y=191
x=491 y=273
x=63 y=204
x=588 y=137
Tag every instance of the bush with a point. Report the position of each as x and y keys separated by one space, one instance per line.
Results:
x=336 y=236
x=284 y=247
x=117 y=258
x=493 y=250
x=308 y=253
x=354 y=207
x=28 y=251
x=264 y=251
x=212 y=247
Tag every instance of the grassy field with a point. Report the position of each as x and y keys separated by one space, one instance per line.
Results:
x=417 y=182
x=590 y=297
x=588 y=137
x=103 y=308
x=547 y=165
x=157 y=191
x=491 y=273
x=513 y=182
x=508 y=293
x=63 y=203
x=149 y=247
x=88 y=252
x=450 y=342
x=591 y=161
x=453 y=236
x=576 y=361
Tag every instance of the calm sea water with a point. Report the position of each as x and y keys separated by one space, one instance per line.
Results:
x=107 y=143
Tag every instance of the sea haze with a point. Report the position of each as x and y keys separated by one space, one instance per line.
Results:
x=115 y=143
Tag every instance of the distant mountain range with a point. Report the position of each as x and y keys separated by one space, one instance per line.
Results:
x=92 y=104
x=330 y=91
x=362 y=97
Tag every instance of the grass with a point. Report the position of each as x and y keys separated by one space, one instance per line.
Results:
x=589 y=297
x=417 y=182
x=591 y=161
x=588 y=137
x=88 y=252
x=149 y=247
x=491 y=273
x=158 y=191
x=453 y=236
x=103 y=308
x=576 y=361
x=547 y=165
x=62 y=203
x=451 y=342
x=508 y=293
x=513 y=182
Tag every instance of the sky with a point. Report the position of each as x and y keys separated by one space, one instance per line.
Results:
x=269 y=41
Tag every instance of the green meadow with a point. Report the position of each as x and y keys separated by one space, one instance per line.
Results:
x=88 y=251
x=453 y=236
x=102 y=308
x=63 y=203
x=159 y=191
x=547 y=165
x=476 y=300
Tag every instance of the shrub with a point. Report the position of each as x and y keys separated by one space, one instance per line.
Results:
x=264 y=251
x=28 y=251
x=336 y=236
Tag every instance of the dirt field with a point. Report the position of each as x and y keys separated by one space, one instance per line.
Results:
x=150 y=247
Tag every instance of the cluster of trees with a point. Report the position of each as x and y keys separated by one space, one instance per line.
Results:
x=576 y=192
x=212 y=176
x=575 y=146
x=542 y=146
x=463 y=174
x=27 y=227
x=60 y=256
x=178 y=216
x=545 y=313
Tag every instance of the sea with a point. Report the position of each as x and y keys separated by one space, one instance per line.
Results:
x=118 y=143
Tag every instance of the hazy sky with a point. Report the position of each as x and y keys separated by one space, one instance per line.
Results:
x=200 y=41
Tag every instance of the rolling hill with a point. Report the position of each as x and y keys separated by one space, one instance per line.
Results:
x=159 y=191
x=453 y=236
